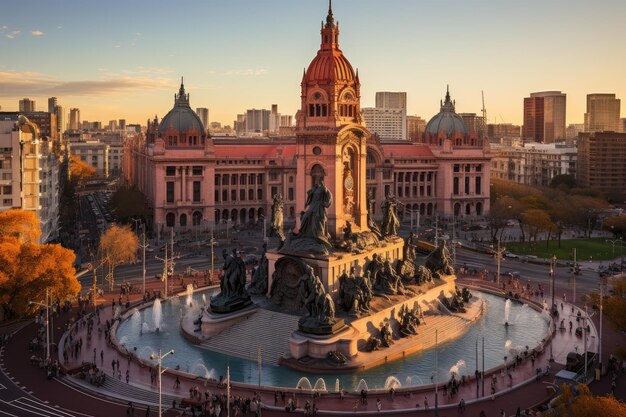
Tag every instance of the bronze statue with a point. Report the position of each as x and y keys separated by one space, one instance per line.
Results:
x=391 y=223
x=276 y=229
x=233 y=295
x=318 y=303
x=314 y=219
x=258 y=285
x=439 y=262
x=387 y=281
x=371 y=224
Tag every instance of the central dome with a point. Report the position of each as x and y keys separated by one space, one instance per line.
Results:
x=446 y=121
x=329 y=66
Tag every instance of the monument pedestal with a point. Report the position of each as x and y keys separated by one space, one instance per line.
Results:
x=306 y=344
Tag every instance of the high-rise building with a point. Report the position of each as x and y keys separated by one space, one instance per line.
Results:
x=388 y=124
x=602 y=163
x=257 y=121
x=475 y=124
x=286 y=120
x=52 y=103
x=544 y=117
x=415 y=126
x=203 y=114
x=602 y=113
x=112 y=125
x=623 y=124
x=503 y=130
x=122 y=124
x=75 y=119
x=46 y=122
x=391 y=100
x=27 y=105
x=58 y=111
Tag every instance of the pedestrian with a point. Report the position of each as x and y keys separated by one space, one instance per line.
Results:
x=148 y=411
x=613 y=386
x=113 y=365
x=102 y=357
x=425 y=403
x=502 y=413
x=379 y=405
x=518 y=412
x=127 y=376
x=356 y=406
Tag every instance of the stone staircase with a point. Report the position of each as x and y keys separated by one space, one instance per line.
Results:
x=267 y=330
x=118 y=389
x=448 y=327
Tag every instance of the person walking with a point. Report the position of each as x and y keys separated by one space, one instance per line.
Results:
x=379 y=405
x=127 y=375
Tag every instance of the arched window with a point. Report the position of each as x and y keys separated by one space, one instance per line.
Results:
x=196 y=218
x=479 y=209
x=218 y=215
x=292 y=212
x=457 y=209
x=224 y=214
x=183 y=220
x=242 y=216
x=468 y=209
x=233 y=215
x=317 y=174
x=251 y=215
x=170 y=218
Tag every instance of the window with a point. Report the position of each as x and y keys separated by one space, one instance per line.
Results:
x=290 y=194
x=183 y=219
x=196 y=170
x=478 y=187
x=252 y=178
x=7 y=189
x=217 y=179
x=467 y=185
x=217 y=196
x=225 y=179
x=456 y=168
x=169 y=219
x=251 y=194
x=259 y=194
x=170 y=192
x=242 y=179
x=196 y=218
x=479 y=168
x=233 y=180
x=196 y=191
x=224 y=195
x=233 y=195
x=7 y=201
x=260 y=179
x=456 y=186
x=242 y=195
x=170 y=171
x=274 y=191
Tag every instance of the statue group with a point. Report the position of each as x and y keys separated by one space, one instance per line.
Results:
x=232 y=295
x=258 y=285
x=385 y=280
x=319 y=305
x=355 y=292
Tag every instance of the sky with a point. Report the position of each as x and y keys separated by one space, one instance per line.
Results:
x=124 y=59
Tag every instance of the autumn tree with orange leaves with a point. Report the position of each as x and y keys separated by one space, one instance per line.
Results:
x=585 y=404
x=28 y=268
x=79 y=169
x=118 y=245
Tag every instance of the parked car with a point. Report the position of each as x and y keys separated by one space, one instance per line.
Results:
x=511 y=255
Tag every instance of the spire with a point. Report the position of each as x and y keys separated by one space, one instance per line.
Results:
x=330 y=20
x=181 y=98
x=448 y=104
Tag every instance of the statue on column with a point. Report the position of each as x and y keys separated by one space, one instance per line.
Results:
x=233 y=295
x=276 y=228
x=391 y=223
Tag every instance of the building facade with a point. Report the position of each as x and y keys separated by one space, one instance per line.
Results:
x=391 y=100
x=602 y=163
x=27 y=105
x=191 y=179
x=415 y=127
x=203 y=114
x=533 y=164
x=74 y=119
x=603 y=111
x=93 y=153
x=387 y=123
x=544 y=117
x=29 y=173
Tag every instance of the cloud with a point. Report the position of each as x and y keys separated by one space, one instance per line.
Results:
x=13 y=34
x=14 y=84
x=36 y=33
x=247 y=72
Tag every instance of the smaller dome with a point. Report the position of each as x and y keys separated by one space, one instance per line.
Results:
x=446 y=121
x=181 y=118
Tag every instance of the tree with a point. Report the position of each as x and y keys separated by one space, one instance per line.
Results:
x=537 y=220
x=28 y=268
x=502 y=210
x=20 y=224
x=616 y=225
x=586 y=404
x=118 y=245
x=563 y=181
x=79 y=170
x=129 y=203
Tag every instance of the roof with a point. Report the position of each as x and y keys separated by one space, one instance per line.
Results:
x=408 y=150
x=254 y=151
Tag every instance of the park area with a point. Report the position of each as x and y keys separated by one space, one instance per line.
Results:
x=597 y=249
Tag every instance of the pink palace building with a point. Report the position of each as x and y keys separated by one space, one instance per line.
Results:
x=191 y=178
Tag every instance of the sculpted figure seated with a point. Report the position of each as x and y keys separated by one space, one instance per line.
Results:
x=408 y=321
x=439 y=261
x=387 y=281
x=337 y=357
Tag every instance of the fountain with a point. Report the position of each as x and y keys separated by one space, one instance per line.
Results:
x=156 y=314
x=456 y=368
x=392 y=382
x=189 y=301
x=135 y=320
x=522 y=310
x=337 y=387
x=362 y=385
x=204 y=299
x=320 y=385
x=199 y=368
x=146 y=351
x=507 y=311
x=145 y=328
x=123 y=340
x=304 y=384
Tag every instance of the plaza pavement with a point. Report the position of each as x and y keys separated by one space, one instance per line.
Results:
x=525 y=390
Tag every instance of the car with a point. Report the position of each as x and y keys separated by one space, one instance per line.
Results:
x=511 y=255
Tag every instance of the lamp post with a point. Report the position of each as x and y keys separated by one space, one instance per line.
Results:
x=436 y=373
x=553 y=273
x=143 y=247
x=499 y=253
x=212 y=254
x=159 y=359
x=47 y=306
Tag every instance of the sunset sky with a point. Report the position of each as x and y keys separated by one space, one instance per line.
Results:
x=124 y=59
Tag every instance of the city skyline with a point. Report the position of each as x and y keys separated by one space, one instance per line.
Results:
x=132 y=71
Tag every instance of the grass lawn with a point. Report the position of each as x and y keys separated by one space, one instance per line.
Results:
x=597 y=247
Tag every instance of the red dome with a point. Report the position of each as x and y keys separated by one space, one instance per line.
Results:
x=329 y=66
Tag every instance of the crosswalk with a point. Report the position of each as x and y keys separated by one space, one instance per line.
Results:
x=28 y=407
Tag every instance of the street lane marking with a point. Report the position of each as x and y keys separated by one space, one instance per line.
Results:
x=8 y=414
x=2 y=387
x=37 y=408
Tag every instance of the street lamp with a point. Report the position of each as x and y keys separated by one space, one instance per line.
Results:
x=159 y=359
x=47 y=306
x=143 y=247
x=499 y=253
x=552 y=273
